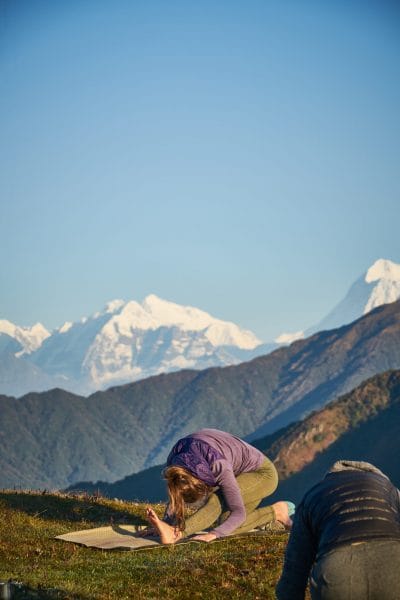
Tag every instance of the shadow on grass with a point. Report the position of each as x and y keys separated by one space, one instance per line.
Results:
x=90 y=509
x=13 y=590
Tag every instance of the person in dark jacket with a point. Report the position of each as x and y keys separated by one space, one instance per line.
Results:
x=226 y=478
x=345 y=538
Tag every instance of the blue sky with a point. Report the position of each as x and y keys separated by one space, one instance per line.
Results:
x=241 y=157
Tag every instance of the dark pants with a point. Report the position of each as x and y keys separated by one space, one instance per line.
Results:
x=367 y=571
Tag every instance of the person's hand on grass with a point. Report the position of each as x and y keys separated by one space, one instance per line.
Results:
x=204 y=537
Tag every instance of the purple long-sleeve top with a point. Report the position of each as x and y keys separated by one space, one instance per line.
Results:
x=216 y=458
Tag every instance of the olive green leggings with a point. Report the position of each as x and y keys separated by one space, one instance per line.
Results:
x=254 y=487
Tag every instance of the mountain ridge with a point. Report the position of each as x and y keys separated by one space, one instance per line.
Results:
x=302 y=451
x=113 y=433
x=129 y=341
x=372 y=434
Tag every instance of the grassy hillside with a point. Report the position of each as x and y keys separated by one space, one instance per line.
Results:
x=51 y=569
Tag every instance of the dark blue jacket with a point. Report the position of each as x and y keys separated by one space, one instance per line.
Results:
x=346 y=507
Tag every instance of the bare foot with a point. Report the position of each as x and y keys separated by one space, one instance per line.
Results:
x=168 y=534
x=282 y=513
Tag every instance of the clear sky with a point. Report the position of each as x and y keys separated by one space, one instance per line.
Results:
x=238 y=156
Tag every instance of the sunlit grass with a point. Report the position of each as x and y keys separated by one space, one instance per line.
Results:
x=48 y=568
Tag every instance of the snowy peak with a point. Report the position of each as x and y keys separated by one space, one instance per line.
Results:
x=286 y=339
x=222 y=333
x=66 y=327
x=127 y=341
x=189 y=318
x=154 y=312
x=383 y=270
x=156 y=336
x=113 y=306
x=110 y=308
x=30 y=338
x=167 y=313
x=384 y=278
x=380 y=284
x=132 y=316
x=8 y=328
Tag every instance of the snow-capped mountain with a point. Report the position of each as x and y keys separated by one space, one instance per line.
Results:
x=127 y=341
x=380 y=284
x=28 y=338
x=130 y=340
x=144 y=339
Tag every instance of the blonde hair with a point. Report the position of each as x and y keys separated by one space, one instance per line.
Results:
x=183 y=488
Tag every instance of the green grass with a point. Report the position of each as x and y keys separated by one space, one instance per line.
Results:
x=50 y=569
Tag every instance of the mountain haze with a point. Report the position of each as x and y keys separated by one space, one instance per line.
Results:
x=55 y=439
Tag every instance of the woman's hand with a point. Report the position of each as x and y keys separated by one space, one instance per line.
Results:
x=204 y=537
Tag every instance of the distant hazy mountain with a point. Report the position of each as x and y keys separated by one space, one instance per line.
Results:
x=126 y=342
x=55 y=439
x=361 y=425
x=17 y=375
x=379 y=285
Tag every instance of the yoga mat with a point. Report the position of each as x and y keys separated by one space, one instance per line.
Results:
x=107 y=538
x=126 y=536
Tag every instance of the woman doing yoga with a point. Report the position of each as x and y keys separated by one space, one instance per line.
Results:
x=228 y=478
